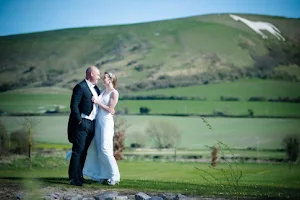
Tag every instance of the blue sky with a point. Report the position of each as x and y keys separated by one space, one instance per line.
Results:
x=26 y=16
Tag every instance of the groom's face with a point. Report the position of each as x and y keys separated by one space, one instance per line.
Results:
x=95 y=76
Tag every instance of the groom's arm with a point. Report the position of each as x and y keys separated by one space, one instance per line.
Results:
x=75 y=101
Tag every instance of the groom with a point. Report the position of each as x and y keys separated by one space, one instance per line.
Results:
x=81 y=122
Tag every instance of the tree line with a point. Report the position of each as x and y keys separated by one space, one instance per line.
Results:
x=196 y=98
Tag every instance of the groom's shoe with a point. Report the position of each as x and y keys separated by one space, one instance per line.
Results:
x=103 y=181
x=83 y=180
x=73 y=182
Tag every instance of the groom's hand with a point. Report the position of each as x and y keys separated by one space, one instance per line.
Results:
x=94 y=99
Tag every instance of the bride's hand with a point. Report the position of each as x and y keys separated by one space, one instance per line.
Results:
x=112 y=111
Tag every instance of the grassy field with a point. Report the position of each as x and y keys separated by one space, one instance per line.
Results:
x=177 y=48
x=35 y=100
x=238 y=133
x=41 y=99
x=209 y=107
x=28 y=103
x=235 y=132
x=243 y=89
x=258 y=180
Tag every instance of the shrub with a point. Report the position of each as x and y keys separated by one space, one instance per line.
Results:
x=3 y=139
x=222 y=98
x=19 y=142
x=218 y=113
x=138 y=140
x=139 y=68
x=144 y=110
x=26 y=145
x=214 y=156
x=250 y=113
x=164 y=134
x=291 y=145
x=257 y=99
x=119 y=137
x=135 y=145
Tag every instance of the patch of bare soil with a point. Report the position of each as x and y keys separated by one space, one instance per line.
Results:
x=11 y=190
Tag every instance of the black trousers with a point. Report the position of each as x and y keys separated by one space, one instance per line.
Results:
x=84 y=133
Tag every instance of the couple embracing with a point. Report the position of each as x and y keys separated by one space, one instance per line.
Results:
x=91 y=130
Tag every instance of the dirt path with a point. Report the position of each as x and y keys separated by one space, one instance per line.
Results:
x=10 y=191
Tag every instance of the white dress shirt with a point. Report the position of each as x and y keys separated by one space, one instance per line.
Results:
x=95 y=107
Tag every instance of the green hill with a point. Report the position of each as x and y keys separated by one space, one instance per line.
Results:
x=164 y=54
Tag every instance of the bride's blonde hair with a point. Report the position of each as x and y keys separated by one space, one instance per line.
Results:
x=113 y=78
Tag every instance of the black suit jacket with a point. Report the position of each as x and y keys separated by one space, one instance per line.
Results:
x=81 y=102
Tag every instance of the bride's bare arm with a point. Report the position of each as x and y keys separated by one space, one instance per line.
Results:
x=114 y=97
x=112 y=104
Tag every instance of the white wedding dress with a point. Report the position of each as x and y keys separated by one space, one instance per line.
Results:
x=100 y=162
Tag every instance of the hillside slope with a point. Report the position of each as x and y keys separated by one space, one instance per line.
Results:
x=180 y=52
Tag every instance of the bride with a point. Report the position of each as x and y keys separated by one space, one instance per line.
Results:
x=100 y=164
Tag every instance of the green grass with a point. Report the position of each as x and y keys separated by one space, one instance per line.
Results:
x=236 y=132
x=40 y=100
x=33 y=103
x=191 y=154
x=260 y=180
x=262 y=174
x=57 y=146
x=243 y=89
x=39 y=104
x=181 y=154
x=190 y=107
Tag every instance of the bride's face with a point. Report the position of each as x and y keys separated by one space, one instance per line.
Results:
x=106 y=80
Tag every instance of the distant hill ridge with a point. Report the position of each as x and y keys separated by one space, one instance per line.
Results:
x=164 y=54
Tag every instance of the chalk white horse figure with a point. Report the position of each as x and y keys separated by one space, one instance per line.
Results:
x=257 y=26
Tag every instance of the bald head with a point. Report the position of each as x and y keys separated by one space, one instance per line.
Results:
x=92 y=74
x=89 y=70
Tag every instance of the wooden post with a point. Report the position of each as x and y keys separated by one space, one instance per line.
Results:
x=29 y=147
